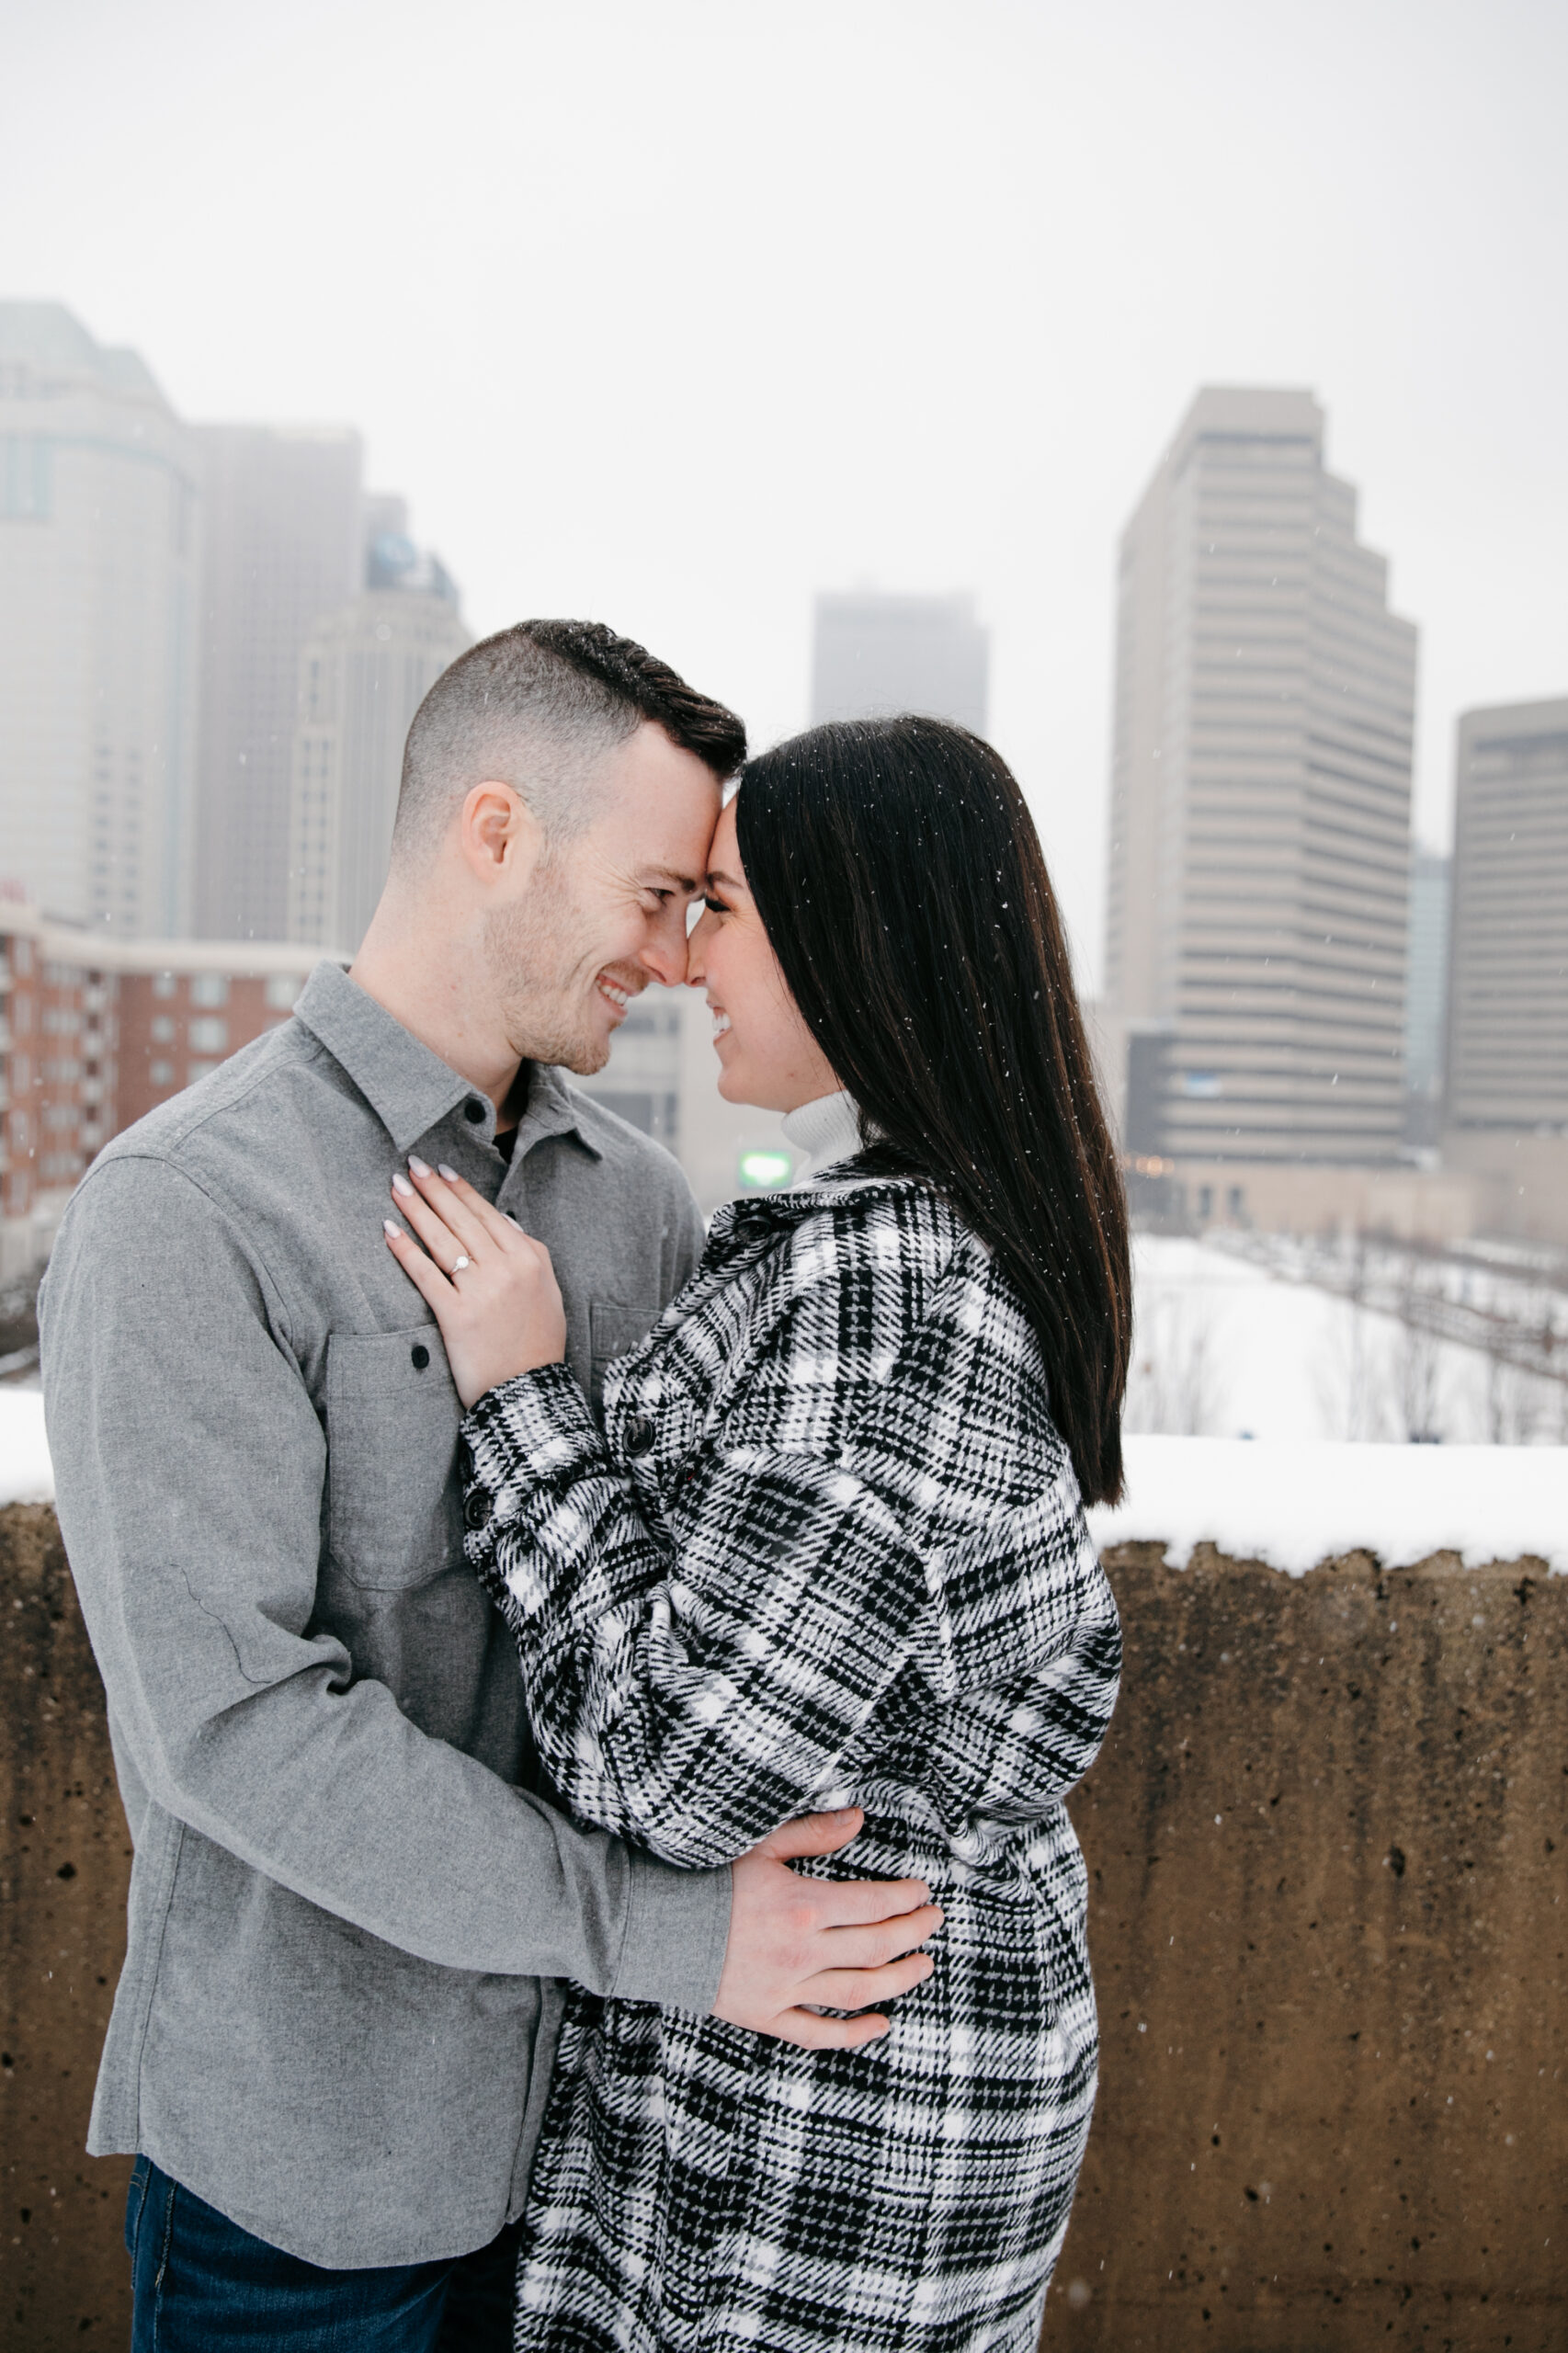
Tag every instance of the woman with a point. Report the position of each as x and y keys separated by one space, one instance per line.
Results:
x=829 y=1548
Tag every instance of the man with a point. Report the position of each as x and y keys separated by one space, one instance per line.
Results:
x=330 y=2043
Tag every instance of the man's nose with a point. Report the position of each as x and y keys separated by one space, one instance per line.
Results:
x=696 y=951
x=666 y=958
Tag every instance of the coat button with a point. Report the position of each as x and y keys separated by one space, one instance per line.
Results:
x=639 y=1435
x=474 y=1111
x=419 y=1355
x=477 y=1509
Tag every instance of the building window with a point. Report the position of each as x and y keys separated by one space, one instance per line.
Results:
x=193 y=1071
x=163 y=1031
x=25 y=477
x=282 y=990
x=209 y=988
x=161 y=1074
x=210 y=1036
x=164 y=984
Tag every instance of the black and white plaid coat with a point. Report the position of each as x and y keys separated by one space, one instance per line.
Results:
x=828 y=1547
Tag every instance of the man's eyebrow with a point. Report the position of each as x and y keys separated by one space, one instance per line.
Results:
x=687 y=882
x=729 y=881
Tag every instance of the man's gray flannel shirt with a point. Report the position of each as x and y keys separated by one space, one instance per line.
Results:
x=331 y=2023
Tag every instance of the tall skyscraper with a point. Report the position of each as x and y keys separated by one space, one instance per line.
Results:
x=872 y=656
x=281 y=548
x=1507 y=1106
x=1425 y=995
x=363 y=674
x=1260 y=804
x=99 y=561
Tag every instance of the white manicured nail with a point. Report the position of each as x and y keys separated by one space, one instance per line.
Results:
x=419 y=1168
x=401 y=1184
x=388 y=1227
x=450 y=1173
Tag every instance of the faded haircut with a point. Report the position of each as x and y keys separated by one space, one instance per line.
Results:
x=537 y=707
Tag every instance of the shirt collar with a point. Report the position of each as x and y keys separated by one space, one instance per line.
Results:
x=410 y=1089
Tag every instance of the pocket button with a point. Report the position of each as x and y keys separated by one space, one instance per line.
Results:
x=419 y=1355
x=639 y=1435
x=477 y=1509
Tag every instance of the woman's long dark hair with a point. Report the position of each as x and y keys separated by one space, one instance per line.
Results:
x=903 y=887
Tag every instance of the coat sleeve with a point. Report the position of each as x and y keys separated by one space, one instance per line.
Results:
x=696 y=1680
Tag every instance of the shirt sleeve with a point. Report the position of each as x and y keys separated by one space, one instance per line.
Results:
x=189 y=1467
x=695 y=1676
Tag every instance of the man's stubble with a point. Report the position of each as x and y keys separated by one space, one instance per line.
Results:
x=535 y=955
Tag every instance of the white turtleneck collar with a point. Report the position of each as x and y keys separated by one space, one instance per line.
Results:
x=827 y=1130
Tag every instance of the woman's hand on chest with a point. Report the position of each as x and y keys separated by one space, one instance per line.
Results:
x=490 y=1286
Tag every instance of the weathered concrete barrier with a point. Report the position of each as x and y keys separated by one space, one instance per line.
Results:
x=1328 y=1846
x=1326 y=1843
x=64 y=1869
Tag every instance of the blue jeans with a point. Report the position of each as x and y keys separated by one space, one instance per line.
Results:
x=202 y=2285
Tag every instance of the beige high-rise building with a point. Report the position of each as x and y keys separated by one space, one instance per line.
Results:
x=1260 y=808
x=99 y=564
x=281 y=540
x=1506 y=1096
x=364 y=673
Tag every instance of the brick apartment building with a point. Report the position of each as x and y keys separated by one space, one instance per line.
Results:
x=95 y=1032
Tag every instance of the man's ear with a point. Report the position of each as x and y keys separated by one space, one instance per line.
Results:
x=500 y=837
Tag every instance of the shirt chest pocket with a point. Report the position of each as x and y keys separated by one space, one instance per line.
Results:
x=395 y=1515
x=614 y=1327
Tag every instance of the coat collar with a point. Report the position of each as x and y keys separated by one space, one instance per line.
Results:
x=754 y=1213
x=410 y=1089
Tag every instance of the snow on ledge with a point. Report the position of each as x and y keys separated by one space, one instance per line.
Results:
x=1295 y=1502
x=1290 y=1502
x=26 y=1476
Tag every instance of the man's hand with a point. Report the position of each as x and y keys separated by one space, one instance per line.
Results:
x=842 y=1943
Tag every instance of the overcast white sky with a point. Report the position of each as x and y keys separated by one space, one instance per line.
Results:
x=670 y=311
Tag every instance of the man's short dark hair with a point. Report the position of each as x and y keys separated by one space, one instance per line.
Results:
x=536 y=706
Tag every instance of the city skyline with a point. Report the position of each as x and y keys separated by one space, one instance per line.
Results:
x=268 y=504
x=906 y=344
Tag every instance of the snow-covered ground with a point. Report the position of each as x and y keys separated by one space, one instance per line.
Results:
x=26 y=1476
x=1225 y=1348
x=1290 y=1502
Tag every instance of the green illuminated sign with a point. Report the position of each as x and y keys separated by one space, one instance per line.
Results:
x=764 y=1172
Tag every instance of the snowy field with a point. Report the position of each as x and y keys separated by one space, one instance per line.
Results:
x=1224 y=1347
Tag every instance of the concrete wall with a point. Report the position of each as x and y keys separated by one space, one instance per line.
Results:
x=64 y=1869
x=1332 y=2109
x=1327 y=1841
